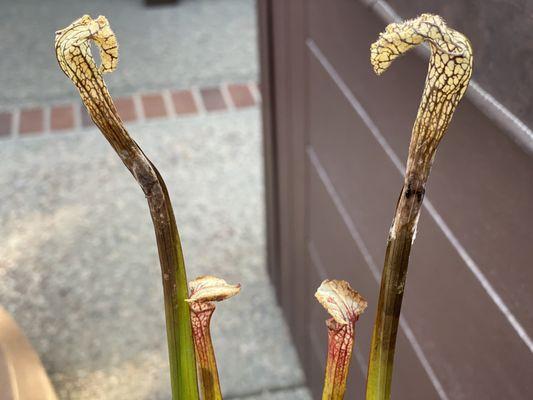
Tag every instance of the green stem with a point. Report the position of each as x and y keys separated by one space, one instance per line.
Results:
x=177 y=313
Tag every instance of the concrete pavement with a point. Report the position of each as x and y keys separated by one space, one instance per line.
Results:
x=196 y=42
x=79 y=268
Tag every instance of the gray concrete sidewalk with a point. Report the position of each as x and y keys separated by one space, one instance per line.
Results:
x=79 y=268
x=196 y=42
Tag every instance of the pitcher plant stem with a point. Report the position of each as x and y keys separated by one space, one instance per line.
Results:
x=72 y=45
x=450 y=69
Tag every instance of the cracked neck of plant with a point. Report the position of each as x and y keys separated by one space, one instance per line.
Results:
x=205 y=291
x=345 y=306
x=73 y=52
x=449 y=71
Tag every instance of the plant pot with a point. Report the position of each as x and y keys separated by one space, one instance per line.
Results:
x=22 y=376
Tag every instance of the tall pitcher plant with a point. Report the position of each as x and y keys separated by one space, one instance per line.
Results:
x=187 y=336
x=449 y=71
x=188 y=315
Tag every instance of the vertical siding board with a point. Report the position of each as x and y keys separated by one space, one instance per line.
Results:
x=281 y=23
x=267 y=77
x=298 y=281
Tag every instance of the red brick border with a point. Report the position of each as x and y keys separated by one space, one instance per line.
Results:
x=213 y=99
x=126 y=108
x=183 y=102
x=31 y=121
x=153 y=105
x=137 y=107
x=241 y=95
x=6 y=119
x=62 y=117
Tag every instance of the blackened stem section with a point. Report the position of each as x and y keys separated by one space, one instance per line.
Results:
x=392 y=287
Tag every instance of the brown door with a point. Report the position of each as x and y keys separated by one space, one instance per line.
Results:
x=336 y=138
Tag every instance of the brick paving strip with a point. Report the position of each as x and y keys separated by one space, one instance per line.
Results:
x=68 y=117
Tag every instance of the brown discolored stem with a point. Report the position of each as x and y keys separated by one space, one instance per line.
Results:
x=205 y=354
x=449 y=72
x=75 y=59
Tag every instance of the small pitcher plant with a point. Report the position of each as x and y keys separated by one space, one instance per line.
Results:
x=345 y=306
x=205 y=291
x=190 y=306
